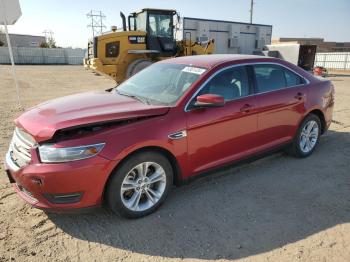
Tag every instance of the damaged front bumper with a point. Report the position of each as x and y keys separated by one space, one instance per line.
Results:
x=60 y=186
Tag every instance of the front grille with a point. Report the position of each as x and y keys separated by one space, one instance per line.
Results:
x=20 y=147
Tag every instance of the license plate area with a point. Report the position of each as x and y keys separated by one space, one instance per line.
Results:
x=8 y=173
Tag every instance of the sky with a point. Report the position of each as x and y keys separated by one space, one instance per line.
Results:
x=329 y=19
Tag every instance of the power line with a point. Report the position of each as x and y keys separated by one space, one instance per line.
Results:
x=96 y=22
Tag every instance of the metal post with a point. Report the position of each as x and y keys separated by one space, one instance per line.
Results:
x=251 y=10
x=10 y=52
x=346 y=60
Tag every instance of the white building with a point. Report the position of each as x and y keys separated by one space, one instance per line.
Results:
x=230 y=37
x=23 y=40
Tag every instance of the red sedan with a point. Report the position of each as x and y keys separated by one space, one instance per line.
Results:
x=170 y=122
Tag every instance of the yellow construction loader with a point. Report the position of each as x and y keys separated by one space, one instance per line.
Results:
x=148 y=37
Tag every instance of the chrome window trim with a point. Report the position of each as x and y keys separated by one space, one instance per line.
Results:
x=246 y=64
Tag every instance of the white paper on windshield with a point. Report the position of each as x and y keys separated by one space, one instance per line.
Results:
x=193 y=70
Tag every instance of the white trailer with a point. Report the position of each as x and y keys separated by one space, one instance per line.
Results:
x=230 y=37
x=300 y=55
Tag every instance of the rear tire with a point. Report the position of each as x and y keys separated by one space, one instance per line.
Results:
x=131 y=192
x=307 y=137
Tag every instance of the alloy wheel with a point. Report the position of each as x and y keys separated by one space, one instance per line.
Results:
x=143 y=186
x=309 y=136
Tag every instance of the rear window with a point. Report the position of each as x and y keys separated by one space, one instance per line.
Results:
x=293 y=79
x=274 y=77
x=269 y=77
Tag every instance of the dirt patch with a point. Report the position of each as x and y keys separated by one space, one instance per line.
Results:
x=275 y=209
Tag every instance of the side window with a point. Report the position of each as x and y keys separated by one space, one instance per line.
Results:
x=293 y=79
x=152 y=25
x=141 y=22
x=112 y=49
x=231 y=84
x=270 y=77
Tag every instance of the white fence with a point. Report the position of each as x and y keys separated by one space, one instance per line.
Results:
x=336 y=60
x=69 y=56
x=29 y=55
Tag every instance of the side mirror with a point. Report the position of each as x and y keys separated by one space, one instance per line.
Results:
x=210 y=100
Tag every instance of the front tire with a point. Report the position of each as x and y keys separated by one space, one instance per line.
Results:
x=140 y=185
x=307 y=137
x=137 y=66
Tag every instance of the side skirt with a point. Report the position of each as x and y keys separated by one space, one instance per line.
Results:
x=236 y=163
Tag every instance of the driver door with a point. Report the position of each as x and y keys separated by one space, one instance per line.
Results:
x=217 y=135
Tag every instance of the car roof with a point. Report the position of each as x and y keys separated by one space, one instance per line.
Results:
x=210 y=61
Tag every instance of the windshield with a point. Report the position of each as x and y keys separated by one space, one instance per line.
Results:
x=160 y=83
x=160 y=25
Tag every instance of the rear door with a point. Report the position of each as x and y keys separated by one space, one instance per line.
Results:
x=281 y=97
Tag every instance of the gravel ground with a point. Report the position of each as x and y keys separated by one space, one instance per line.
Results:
x=274 y=209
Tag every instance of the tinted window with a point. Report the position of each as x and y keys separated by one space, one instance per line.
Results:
x=231 y=83
x=293 y=79
x=269 y=77
x=112 y=49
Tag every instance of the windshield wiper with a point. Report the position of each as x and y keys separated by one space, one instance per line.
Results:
x=139 y=98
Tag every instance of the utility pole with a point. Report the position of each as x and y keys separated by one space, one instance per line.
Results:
x=96 y=22
x=251 y=10
x=48 y=35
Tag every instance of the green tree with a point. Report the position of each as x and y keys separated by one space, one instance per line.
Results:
x=50 y=43
x=44 y=45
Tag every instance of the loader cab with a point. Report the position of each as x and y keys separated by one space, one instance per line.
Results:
x=159 y=26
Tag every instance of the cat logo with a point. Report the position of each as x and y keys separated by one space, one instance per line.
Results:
x=137 y=39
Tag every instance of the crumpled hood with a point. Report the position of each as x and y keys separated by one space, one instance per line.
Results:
x=44 y=120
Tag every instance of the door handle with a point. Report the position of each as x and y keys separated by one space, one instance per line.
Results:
x=299 y=96
x=246 y=108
